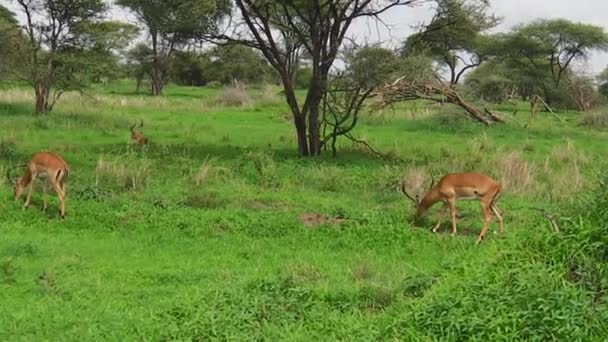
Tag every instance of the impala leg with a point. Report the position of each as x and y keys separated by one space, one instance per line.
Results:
x=30 y=191
x=440 y=216
x=487 y=216
x=44 y=196
x=452 y=205
x=498 y=215
x=61 y=197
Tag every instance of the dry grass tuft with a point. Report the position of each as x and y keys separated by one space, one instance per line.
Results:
x=362 y=271
x=414 y=180
x=234 y=96
x=132 y=174
x=304 y=273
x=207 y=170
x=515 y=173
x=595 y=120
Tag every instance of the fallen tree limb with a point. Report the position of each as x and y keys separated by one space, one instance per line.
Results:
x=400 y=91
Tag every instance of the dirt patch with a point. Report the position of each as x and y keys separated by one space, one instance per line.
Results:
x=313 y=220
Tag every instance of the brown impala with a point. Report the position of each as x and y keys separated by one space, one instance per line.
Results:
x=465 y=186
x=136 y=136
x=44 y=165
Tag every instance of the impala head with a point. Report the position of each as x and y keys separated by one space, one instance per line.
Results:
x=136 y=135
x=417 y=199
x=18 y=185
x=133 y=128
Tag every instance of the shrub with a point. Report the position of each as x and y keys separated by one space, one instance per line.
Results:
x=214 y=85
x=234 y=96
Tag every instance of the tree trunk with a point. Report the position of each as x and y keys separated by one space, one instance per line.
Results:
x=300 y=123
x=313 y=102
x=42 y=91
x=157 y=84
x=314 y=140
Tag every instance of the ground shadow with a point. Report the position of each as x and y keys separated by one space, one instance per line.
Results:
x=16 y=109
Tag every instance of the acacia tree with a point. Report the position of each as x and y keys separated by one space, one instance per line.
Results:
x=546 y=50
x=171 y=24
x=281 y=29
x=366 y=69
x=455 y=37
x=63 y=39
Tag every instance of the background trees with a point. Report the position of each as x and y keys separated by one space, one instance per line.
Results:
x=543 y=54
x=171 y=24
x=455 y=37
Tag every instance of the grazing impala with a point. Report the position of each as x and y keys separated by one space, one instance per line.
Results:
x=44 y=165
x=455 y=186
x=136 y=136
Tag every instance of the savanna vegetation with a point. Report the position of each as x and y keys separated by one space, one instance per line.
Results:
x=265 y=204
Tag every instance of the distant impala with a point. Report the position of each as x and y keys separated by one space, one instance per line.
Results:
x=136 y=136
x=465 y=186
x=44 y=165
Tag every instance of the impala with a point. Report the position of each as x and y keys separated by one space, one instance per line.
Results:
x=136 y=136
x=464 y=186
x=44 y=165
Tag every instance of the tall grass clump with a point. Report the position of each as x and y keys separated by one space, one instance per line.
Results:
x=206 y=171
x=595 y=120
x=514 y=172
x=123 y=172
x=234 y=96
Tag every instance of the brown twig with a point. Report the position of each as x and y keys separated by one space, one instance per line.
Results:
x=550 y=217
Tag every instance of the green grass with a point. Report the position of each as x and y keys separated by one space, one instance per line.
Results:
x=228 y=259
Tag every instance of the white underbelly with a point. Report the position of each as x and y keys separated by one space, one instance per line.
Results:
x=468 y=198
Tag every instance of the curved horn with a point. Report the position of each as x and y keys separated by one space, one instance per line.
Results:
x=141 y=123
x=406 y=194
x=432 y=182
x=135 y=124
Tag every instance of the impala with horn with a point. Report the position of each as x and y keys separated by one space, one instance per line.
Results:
x=46 y=165
x=464 y=186
x=136 y=136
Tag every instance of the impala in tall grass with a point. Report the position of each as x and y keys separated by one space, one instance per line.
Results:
x=464 y=186
x=136 y=136
x=48 y=166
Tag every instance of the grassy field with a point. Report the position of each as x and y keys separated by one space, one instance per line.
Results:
x=198 y=236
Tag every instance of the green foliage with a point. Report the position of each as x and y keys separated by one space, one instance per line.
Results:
x=303 y=76
x=10 y=39
x=369 y=67
x=189 y=68
x=491 y=82
x=455 y=31
x=240 y=64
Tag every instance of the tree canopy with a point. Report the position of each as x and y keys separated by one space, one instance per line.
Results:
x=455 y=37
